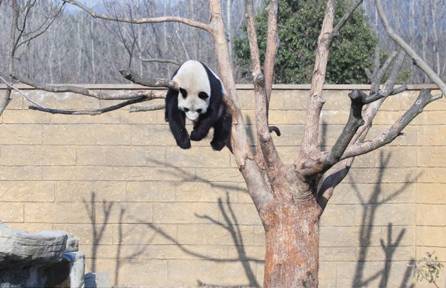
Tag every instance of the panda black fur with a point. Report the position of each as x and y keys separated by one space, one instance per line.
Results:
x=200 y=99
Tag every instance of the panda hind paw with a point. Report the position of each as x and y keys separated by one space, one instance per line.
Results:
x=184 y=144
x=217 y=145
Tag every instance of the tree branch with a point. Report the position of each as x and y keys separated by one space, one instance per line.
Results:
x=81 y=90
x=92 y=112
x=156 y=60
x=272 y=43
x=310 y=142
x=186 y=21
x=416 y=59
x=135 y=78
x=265 y=141
x=395 y=130
x=354 y=121
x=346 y=17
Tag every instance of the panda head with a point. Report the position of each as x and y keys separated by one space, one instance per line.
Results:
x=195 y=91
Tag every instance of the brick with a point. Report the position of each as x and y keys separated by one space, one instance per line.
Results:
x=183 y=212
x=37 y=155
x=158 y=135
x=431 y=214
x=102 y=173
x=433 y=175
x=223 y=273
x=16 y=102
x=26 y=191
x=72 y=213
x=87 y=134
x=25 y=117
x=82 y=191
x=431 y=193
x=11 y=212
x=341 y=215
x=218 y=174
x=144 y=274
x=31 y=227
x=432 y=156
x=192 y=234
x=144 y=234
x=25 y=173
x=150 y=191
x=432 y=135
x=20 y=134
x=84 y=232
x=204 y=157
x=431 y=236
x=201 y=191
x=120 y=156
x=388 y=175
x=374 y=193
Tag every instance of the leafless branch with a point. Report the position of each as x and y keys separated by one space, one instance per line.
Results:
x=265 y=144
x=152 y=107
x=135 y=78
x=81 y=90
x=42 y=29
x=310 y=142
x=272 y=43
x=186 y=21
x=346 y=17
x=395 y=130
x=353 y=123
x=416 y=59
x=156 y=60
x=92 y=112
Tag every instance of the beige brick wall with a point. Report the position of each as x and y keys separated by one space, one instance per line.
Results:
x=156 y=209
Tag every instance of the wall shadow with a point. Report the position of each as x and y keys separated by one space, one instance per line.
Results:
x=229 y=224
x=389 y=245
x=93 y=278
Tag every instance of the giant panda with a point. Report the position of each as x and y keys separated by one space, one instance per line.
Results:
x=200 y=99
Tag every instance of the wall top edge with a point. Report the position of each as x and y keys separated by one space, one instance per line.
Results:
x=239 y=86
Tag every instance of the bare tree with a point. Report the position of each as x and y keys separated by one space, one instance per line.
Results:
x=290 y=199
x=22 y=33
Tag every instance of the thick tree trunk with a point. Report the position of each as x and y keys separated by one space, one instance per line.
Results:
x=292 y=245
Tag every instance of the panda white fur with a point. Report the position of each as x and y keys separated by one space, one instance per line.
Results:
x=200 y=99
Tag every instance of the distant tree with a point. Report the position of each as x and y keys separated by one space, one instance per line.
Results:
x=298 y=33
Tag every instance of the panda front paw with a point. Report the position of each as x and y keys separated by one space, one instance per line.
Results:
x=184 y=143
x=196 y=135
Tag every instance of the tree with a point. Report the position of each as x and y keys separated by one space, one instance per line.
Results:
x=298 y=33
x=289 y=198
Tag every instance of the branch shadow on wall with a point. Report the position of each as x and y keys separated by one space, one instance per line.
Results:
x=98 y=227
x=229 y=224
x=389 y=245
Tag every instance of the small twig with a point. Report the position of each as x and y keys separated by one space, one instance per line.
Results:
x=93 y=111
x=77 y=90
x=152 y=107
x=156 y=60
x=345 y=18
x=416 y=59
x=135 y=78
x=161 y=19
x=21 y=93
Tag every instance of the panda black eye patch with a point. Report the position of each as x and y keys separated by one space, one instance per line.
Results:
x=203 y=95
x=183 y=92
x=199 y=110
x=186 y=109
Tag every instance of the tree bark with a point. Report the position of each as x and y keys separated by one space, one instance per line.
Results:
x=292 y=245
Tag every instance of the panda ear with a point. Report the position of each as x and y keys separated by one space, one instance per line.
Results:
x=203 y=95
x=183 y=92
